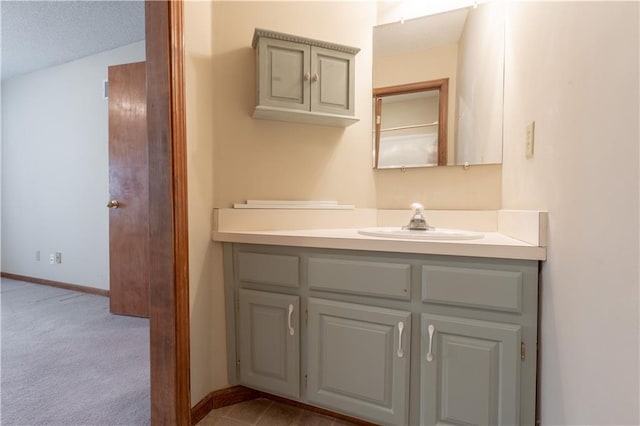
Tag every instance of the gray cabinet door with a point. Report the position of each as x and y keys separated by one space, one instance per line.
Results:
x=470 y=372
x=283 y=74
x=269 y=340
x=332 y=83
x=358 y=360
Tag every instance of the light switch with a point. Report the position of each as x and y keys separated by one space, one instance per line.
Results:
x=530 y=137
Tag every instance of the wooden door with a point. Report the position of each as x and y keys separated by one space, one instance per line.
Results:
x=129 y=191
x=359 y=360
x=470 y=372
x=269 y=325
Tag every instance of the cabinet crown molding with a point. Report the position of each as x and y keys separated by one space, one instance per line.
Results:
x=259 y=32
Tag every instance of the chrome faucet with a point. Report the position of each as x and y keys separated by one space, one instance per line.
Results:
x=418 y=222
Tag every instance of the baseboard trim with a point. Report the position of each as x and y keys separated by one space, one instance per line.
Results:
x=50 y=283
x=221 y=398
x=237 y=394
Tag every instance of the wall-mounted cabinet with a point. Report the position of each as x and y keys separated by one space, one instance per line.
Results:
x=304 y=80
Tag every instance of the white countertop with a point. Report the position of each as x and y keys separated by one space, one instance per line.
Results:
x=493 y=244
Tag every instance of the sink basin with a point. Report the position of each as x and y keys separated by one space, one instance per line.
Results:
x=434 y=234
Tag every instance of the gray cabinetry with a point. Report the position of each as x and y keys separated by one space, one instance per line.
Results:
x=470 y=372
x=368 y=277
x=358 y=360
x=393 y=338
x=284 y=70
x=269 y=341
x=332 y=81
x=304 y=80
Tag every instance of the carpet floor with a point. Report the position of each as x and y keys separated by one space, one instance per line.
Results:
x=66 y=361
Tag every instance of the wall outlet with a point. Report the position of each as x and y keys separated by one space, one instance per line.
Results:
x=37 y=255
x=58 y=257
x=52 y=259
x=529 y=140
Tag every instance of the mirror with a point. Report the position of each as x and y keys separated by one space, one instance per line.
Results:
x=462 y=126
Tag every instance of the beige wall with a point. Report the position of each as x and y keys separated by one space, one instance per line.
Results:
x=573 y=68
x=440 y=188
x=267 y=159
x=207 y=321
x=262 y=159
x=232 y=157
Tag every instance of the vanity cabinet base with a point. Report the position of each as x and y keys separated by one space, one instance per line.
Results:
x=469 y=372
x=358 y=360
x=269 y=355
x=450 y=340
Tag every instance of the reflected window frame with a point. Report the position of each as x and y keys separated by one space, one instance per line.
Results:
x=441 y=85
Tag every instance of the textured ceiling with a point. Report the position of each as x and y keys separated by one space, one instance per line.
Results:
x=421 y=33
x=40 y=34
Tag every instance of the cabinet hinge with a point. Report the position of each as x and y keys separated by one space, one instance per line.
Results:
x=306 y=317
x=238 y=367
x=523 y=352
x=305 y=381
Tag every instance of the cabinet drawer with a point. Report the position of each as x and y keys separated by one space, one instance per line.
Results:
x=269 y=269
x=360 y=277
x=480 y=288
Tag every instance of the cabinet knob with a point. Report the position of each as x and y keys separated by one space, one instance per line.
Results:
x=315 y=77
x=307 y=76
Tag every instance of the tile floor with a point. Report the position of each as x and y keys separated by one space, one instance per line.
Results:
x=263 y=412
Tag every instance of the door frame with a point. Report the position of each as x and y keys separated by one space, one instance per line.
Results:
x=168 y=222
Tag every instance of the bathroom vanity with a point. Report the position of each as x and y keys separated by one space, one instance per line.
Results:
x=393 y=332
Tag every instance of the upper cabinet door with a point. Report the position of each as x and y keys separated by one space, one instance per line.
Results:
x=284 y=74
x=358 y=360
x=470 y=372
x=332 y=81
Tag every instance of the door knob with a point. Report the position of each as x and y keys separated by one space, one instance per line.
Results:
x=113 y=204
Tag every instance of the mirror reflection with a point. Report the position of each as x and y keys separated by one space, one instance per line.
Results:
x=424 y=127
x=410 y=125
